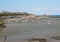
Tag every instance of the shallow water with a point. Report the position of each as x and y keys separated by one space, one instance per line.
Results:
x=43 y=26
x=25 y=30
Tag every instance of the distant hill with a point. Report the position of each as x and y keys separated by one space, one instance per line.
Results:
x=54 y=16
x=5 y=13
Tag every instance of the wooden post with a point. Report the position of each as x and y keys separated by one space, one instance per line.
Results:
x=5 y=38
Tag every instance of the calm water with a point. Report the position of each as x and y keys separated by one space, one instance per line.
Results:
x=29 y=27
x=22 y=30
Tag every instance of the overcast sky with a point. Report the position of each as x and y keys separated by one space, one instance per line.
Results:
x=38 y=7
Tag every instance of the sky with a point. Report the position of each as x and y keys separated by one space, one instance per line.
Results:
x=38 y=7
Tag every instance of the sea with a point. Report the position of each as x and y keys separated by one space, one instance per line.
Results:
x=18 y=31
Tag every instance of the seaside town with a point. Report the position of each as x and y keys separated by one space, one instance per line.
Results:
x=21 y=16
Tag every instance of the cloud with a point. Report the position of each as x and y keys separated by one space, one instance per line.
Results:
x=37 y=9
x=56 y=10
x=45 y=10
